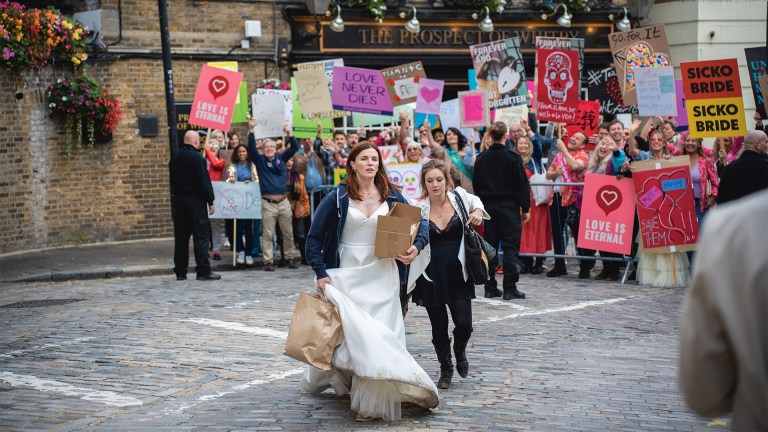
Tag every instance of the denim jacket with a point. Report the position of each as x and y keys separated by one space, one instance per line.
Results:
x=322 y=249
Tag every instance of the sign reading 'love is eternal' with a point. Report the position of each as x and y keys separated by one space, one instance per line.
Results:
x=607 y=214
x=215 y=98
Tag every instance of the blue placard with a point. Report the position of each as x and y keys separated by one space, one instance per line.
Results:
x=670 y=185
x=472 y=79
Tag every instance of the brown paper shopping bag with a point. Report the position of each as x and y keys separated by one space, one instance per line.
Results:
x=314 y=331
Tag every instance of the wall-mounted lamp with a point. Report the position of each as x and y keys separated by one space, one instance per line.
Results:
x=565 y=18
x=623 y=24
x=337 y=24
x=486 y=24
x=413 y=25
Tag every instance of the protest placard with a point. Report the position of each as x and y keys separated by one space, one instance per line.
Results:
x=763 y=80
x=327 y=67
x=499 y=70
x=403 y=82
x=406 y=175
x=655 y=88
x=473 y=109
x=510 y=116
x=638 y=48
x=713 y=98
x=587 y=120
x=287 y=102
x=269 y=114
x=603 y=86
x=215 y=98
x=557 y=80
x=239 y=115
x=389 y=154
x=339 y=174
x=238 y=200
x=665 y=206
x=607 y=214
x=450 y=117
x=682 y=115
x=756 y=67
x=430 y=96
x=302 y=126
x=360 y=90
x=312 y=87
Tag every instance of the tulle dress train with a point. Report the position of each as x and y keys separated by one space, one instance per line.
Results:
x=372 y=364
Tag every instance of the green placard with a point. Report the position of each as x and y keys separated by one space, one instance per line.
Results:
x=303 y=128
x=241 y=107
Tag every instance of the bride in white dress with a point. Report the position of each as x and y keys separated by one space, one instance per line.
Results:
x=372 y=364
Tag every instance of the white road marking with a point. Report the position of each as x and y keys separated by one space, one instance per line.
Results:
x=557 y=310
x=105 y=397
x=238 y=327
x=499 y=303
x=16 y=353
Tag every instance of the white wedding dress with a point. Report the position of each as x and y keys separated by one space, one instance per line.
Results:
x=372 y=364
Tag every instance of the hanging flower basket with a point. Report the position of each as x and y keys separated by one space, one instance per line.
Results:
x=88 y=110
x=274 y=84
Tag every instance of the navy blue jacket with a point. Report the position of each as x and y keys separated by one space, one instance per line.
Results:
x=272 y=173
x=322 y=249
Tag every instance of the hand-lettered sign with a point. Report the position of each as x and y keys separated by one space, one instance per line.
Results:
x=473 y=109
x=756 y=67
x=713 y=98
x=327 y=67
x=587 y=120
x=360 y=90
x=215 y=98
x=430 y=96
x=236 y=200
x=557 y=85
x=500 y=71
x=403 y=82
x=312 y=86
x=607 y=214
x=682 y=114
x=638 y=48
x=302 y=126
x=449 y=117
x=655 y=88
x=604 y=87
x=269 y=114
x=665 y=206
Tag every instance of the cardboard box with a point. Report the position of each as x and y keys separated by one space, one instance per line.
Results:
x=396 y=231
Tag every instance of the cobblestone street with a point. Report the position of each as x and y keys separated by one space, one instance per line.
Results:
x=154 y=354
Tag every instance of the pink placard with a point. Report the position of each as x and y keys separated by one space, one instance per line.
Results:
x=360 y=90
x=607 y=214
x=532 y=88
x=430 y=96
x=473 y=108
x=682 y=114
x=215 y=98
x=557 y=94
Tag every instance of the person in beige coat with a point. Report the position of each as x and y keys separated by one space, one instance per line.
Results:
x=724 y=332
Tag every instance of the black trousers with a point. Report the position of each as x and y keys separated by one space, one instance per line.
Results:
x=557 y=215
x=190 y=218
x=505 y=226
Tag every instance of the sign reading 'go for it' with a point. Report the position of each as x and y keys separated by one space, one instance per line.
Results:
x=713 y=98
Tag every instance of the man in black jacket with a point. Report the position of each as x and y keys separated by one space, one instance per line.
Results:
x=500 y=181
x=748 y=173
x=191 y=191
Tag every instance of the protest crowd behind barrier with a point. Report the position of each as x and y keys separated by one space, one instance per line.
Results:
x=614 y=156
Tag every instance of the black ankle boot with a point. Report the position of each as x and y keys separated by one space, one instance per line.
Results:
x=460 y=349
x=446 y=365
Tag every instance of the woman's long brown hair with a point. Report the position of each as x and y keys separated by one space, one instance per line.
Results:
x=381 y=181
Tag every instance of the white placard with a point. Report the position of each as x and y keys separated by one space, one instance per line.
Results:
x=238 y=200
x=655 y=89
x=449 y=117
x=408 y=176
x=287 y=100
x=269 y=113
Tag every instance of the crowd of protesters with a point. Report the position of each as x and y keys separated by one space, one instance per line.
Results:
x=303 y=172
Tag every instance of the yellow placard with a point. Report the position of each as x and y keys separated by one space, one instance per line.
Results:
x=339 y=174
x=712 y=118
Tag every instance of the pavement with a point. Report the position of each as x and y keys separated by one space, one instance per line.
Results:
x=101 y=260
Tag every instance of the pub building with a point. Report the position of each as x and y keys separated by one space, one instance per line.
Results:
x=444 y=36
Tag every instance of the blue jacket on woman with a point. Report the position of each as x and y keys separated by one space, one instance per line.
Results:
x=322 y=249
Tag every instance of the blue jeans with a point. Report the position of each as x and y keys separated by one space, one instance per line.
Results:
x=244 y=229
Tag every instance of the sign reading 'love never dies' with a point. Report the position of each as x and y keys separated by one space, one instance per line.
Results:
x=215 y=98
x=360 y=90
x=607 y=214
x=665 y=205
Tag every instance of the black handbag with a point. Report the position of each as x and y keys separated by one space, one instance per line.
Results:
x=478 y=252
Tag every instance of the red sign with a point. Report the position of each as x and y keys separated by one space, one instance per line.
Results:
x=711 y=79
x=665 y=204
x=215 y=98
x=558 y=87
x=607 y=214
x=587 y=120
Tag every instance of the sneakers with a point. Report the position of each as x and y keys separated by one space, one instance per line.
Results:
x=269 y=267
x=216 y=256
x=226 y=243
x=292 y=264
x=248 y=260
x=241 y=257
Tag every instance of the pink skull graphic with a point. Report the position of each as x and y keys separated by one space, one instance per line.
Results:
x=558 y=78
x=411 y=183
